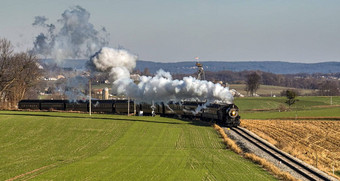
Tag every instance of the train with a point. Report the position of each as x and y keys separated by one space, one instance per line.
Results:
x=224 y=114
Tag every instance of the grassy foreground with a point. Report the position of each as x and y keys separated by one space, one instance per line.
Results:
x=267 y=90
x=71 y=146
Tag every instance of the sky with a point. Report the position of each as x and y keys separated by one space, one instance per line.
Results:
x=180 y=30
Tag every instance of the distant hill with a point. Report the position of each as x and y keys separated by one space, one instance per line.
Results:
x=214 y=66
x=68 y=63
x=270 y=66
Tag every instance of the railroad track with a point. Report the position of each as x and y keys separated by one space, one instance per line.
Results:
x=299 y=167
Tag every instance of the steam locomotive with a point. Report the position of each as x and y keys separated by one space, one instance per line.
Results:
x=223 y=114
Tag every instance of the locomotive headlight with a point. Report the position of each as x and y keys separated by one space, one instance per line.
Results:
x=233 y=113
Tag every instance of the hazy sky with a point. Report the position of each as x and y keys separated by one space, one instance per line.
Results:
x=179 y=30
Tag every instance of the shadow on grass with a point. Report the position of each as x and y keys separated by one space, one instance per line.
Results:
x=187 y=121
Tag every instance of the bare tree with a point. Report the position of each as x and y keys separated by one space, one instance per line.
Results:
x=6 y=51
x=253 y=83
x=146 y=72
x=18 y=73
x=329 y=88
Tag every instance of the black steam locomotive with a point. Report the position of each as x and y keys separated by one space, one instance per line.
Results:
x=223 y=114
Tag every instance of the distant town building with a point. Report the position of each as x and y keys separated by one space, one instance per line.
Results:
x=50 y=78
x=60 y=77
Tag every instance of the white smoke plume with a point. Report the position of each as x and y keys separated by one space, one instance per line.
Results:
x=118 y=62
x=74 y=88
x=161 y=87
x=76 y=38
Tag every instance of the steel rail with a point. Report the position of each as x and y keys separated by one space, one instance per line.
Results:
x=302 y=169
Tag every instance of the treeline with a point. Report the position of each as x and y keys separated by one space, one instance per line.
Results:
x=18 y=73
x=324 y=84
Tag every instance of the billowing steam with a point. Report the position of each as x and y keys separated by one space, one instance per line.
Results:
x=73 y=88
x=118 y=62
x=72 y=37
x=77 y=37
x=161 y=87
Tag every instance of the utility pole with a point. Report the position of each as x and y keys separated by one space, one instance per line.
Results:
x=90 y=97
x=331 y=100
x=128 y=106
x=134 y=107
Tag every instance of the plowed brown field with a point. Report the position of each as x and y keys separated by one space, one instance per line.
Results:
x=315 y=142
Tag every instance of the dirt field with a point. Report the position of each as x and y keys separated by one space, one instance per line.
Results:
x=315 y=142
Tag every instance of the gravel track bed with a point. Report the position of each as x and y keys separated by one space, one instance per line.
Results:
x=248 y=147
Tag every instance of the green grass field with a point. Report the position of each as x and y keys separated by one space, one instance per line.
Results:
x=72 y=146
x=267 y=107
x=267 y=90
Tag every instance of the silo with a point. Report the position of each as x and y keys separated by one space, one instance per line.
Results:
x=105 y=93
